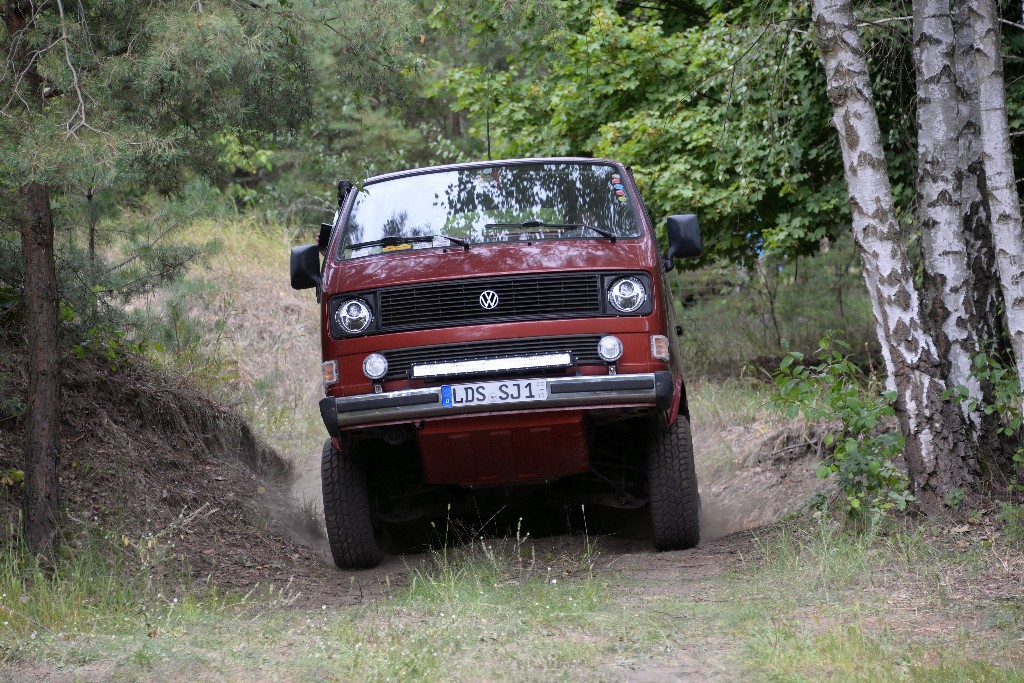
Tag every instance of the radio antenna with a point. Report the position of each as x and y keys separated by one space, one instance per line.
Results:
x=488 y=135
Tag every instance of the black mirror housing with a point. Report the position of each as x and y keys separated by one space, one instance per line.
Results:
x=683 y=238
x=305 y=266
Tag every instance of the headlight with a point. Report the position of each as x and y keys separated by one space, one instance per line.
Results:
x=353 y=316
x=627 y=294
x=609 y=348
x=375 y=366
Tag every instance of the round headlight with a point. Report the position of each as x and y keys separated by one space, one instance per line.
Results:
x=609 y=348
x=353 y=316
x=627 y=294
x=375 y=366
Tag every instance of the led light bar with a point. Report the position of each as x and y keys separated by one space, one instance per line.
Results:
x=477 y=367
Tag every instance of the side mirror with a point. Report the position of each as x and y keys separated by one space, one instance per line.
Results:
x=305 y=266
x=683 y=238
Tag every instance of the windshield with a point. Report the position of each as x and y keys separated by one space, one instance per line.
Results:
x=499 y=203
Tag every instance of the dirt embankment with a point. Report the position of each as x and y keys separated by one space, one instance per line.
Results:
x=147 y=455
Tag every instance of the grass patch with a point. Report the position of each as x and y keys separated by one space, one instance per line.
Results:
x=899 y=603
x=717 y=406
x=806 y=601
x=790 y=650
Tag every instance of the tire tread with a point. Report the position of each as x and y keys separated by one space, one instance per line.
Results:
x=347 y=515
x=672 y=480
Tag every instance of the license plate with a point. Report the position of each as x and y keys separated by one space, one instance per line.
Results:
x=482 y=393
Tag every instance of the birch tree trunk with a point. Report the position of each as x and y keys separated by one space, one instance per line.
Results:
x=933 y=428
x=1003 y=200
x=985 y=298
x=948 y=282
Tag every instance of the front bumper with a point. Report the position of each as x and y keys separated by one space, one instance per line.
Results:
x=653 y=388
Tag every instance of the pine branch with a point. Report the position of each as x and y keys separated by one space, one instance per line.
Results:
x=72 y=125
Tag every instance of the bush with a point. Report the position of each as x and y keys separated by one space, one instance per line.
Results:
x=861 y=453
x=1006 y=403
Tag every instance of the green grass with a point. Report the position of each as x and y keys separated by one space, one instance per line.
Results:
x=787 y=650
x=809 y=602
x=894 y=604
x=489 y=610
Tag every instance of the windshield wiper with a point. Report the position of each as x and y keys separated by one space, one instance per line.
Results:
x=541 y=224
x=394 y=241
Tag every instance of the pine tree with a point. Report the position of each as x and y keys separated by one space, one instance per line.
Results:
x=125 y=96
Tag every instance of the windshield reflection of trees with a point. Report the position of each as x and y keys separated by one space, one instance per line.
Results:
x=465 y=201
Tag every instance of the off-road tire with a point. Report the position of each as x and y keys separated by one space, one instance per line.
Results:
x=672 y=483
x=347 y=513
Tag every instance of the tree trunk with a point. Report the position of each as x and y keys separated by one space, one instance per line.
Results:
x=42 y=426
x=1003 y=200
x=947 y=282
x=933 y=428
x=985 y=297
x=42 y=429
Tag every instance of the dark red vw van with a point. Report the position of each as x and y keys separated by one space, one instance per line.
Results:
x=498 y=325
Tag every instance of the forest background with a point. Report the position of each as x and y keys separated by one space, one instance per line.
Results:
x=721 y=108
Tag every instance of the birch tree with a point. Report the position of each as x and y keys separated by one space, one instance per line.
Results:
x=940 y=189
x=933 y=428
x=1002 y=197
x=985 y=295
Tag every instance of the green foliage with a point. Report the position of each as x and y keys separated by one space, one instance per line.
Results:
x=1006 y=402
x=735 y=319
x=123 y=112
x=109 y=343
x=723 y=119
x=861 y=452
x=174 y=337
x=12 y=476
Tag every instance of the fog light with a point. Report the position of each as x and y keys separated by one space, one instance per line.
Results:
x=659 y=347
x=375 y=366
x=329 y=369
x=609 y=348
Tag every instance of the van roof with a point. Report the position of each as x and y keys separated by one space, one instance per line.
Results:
x=486 y=164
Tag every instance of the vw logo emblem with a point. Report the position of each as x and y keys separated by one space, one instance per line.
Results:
x=489 y=299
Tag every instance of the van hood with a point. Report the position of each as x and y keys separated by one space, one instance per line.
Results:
x=482 y=260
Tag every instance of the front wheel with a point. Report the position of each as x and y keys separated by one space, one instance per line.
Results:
x=347 y=514
x=672 y=481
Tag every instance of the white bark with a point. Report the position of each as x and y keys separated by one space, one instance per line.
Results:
x=986 y=298
x=871 y=280
x=933 y=429
x=1003 y=200
x=939 y=190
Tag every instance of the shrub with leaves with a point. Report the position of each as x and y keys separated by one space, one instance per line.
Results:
x=1007 y=404
x=861 y=453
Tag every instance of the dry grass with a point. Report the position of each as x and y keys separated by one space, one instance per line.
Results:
x=269 y=334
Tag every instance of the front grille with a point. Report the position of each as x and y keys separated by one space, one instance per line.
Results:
x=583 y=347
x=520 y=297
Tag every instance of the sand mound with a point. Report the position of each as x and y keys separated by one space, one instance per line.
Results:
x=143 y=452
